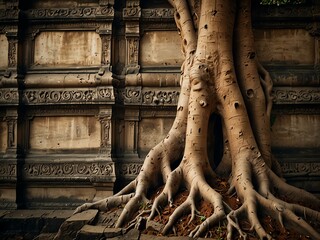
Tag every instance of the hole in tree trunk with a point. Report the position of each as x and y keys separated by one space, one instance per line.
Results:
x=236 y=105
x=185 y=41
x=250 y=93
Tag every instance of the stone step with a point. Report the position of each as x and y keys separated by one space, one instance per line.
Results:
x=31 y=222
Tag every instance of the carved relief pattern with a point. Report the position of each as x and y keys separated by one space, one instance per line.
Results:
x=12 y=53
x=132 y=95
x=105 y=132
x=8 y=171
x=54 y=170
x=106 y=46
x=9 y=96
x=11 y=133
x=299 y=95
x=133 y=50
x=131 y=12
x=107 y=11
x=39 y=96
x=9 y=13
x=129 y=169
x=158 y=13
x=301 y=169
x=159 y=97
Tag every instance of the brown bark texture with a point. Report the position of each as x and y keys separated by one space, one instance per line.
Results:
x=221 y=77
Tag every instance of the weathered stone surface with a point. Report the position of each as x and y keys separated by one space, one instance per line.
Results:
x=152 y=237
x=64 y=132
x=154 y=226
x=108 y=219
x=112 y=232
x=90 y=232
x=45 y=236
x=70 y=47
x=72 y=225
x=54 y=219
x=23 y=221
x=133 y=234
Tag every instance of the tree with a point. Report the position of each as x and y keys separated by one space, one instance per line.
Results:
x=222 y=77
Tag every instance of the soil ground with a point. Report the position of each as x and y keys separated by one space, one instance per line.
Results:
x=182 y=228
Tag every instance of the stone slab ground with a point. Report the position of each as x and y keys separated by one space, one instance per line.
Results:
x=62 y=225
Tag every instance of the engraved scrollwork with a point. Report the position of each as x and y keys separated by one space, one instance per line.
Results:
x=8 y=170
x=148 y=97
x=160 y=97
x=53 y=170
x=131 y=169
x=9 y=95
x=132 y=95
x=66 y=96
x=158 y=13
x=106 y=11
x=83 y=169
x=132 y=12
x=133 y=51
x=105 y=93
x=301 y=168
x=9 y=13
x=306 y=95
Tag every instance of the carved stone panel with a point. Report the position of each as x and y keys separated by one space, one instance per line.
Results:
x=59 y=48
x=103 y=95
x=64 y=133
x=3 y=136
x=161 y=48
x=4 y=47
x=290 y=46
x=68 y=170
x=296 y=131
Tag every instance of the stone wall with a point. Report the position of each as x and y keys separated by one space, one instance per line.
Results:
x=88 y=87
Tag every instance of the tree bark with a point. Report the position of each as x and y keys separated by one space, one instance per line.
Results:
x=221 y=75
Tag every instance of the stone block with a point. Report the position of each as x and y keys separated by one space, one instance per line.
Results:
x=90 y=232
x=54 y=219
x=112 y=232
x=69 y=229
x=23 y=221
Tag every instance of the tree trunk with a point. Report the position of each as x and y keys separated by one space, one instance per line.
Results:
x=221 y=75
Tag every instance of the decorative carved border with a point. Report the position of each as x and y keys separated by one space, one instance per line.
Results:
x=8 y=171
x=69 y=171
x=68 y=96
x=9 y=13
x=293 y=169
x=296 y=95
x=128 y=169
x=160 y=97
x=85 y=12
x=149 y=96
x=158 y=13
x=169 y=97
x=9 y=96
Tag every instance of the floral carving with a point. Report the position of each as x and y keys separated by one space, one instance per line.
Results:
x=8 y=171
x=158 y=13
x=132 y=12
x=9 y=96
x=53 y=170
x=41 y=96
x=301 y=169
x=160 y=97
x=298 y=95
x=106 y=11
x=130 y=169
x=132 y=95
